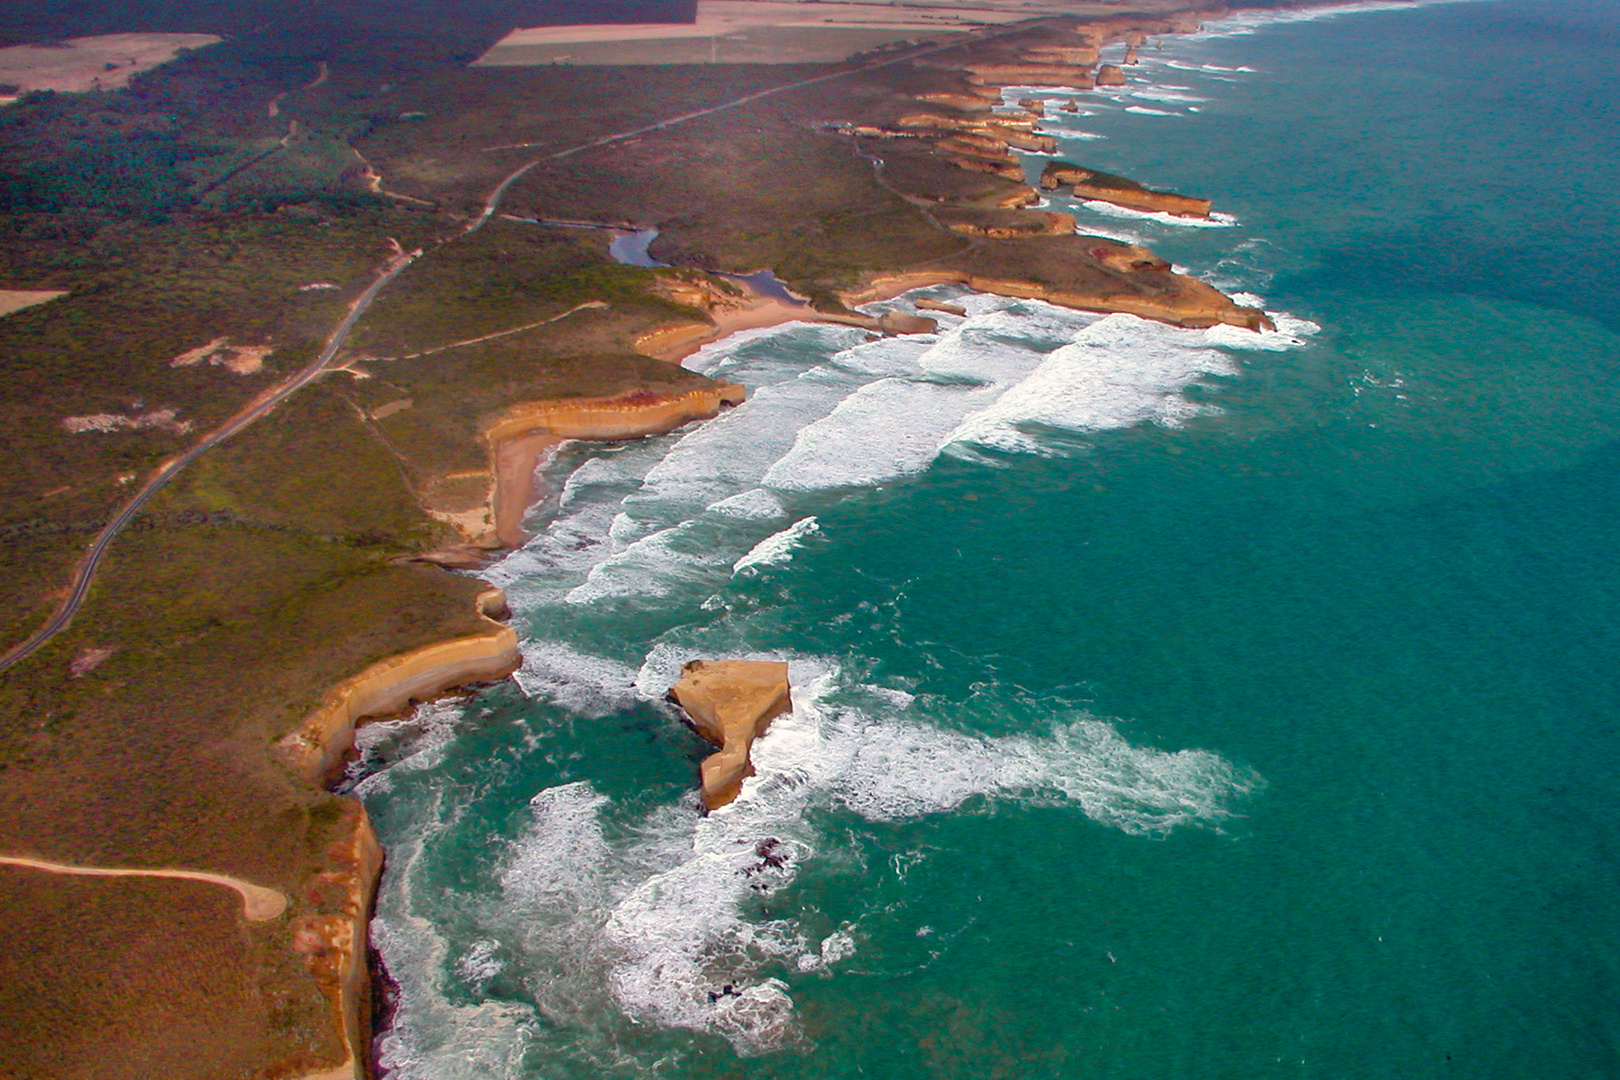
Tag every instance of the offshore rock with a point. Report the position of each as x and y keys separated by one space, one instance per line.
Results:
x=898 y=322
x=730 y=703
x=1109 y=75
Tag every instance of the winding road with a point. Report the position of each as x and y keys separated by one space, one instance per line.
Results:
x=260 y=406
x=259 y=903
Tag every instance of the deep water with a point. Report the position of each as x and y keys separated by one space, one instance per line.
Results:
x=1168 y=703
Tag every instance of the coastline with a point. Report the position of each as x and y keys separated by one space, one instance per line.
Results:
x=516 y=443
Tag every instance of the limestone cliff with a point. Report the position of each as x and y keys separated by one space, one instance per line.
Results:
x=730 y=703
x=318 y=746
x=523 y=432
x=965 y=102
x=928 y=304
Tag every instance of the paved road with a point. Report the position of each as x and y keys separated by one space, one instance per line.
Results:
x=86 y=571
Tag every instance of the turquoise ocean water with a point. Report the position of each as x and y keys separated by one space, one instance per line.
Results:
x=1168 y=704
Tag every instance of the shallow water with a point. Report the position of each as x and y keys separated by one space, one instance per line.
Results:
x=1167 y=703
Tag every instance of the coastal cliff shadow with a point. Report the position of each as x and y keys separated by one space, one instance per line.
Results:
x=1571 y=277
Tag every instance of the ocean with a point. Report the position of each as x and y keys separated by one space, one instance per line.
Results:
x=1167 y=703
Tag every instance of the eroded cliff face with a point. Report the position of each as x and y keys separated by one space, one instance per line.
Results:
x=623 y=416
x=730 y=703
x=331 y=936
x=1031 y=74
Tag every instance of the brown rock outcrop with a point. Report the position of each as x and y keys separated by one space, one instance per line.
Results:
x=730 y=703
x=1109 y=75
x=332 y=937
x=1033 y=105
x=318 y=746
x=1071 y=106
x=1013 y=200
x=1105 y=187
x=524 y=432
x=993 y=135
x=975 y=144
x=1131 y=57
x=938 y=122
x=1033 y=142
x=1017 y=119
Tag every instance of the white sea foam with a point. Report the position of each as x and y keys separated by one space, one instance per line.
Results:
x=431 y=1037
x=410 y=743
x=1164 y=93
x=655 y=565
x=662 y=921
x=1119 y=372
x=735 y=449
x=755 y=504
x=1143 y=110
x=588 y=686
x=777 y=548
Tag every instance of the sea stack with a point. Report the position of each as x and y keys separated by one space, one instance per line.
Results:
x=730 y=703
x=1110 y=75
